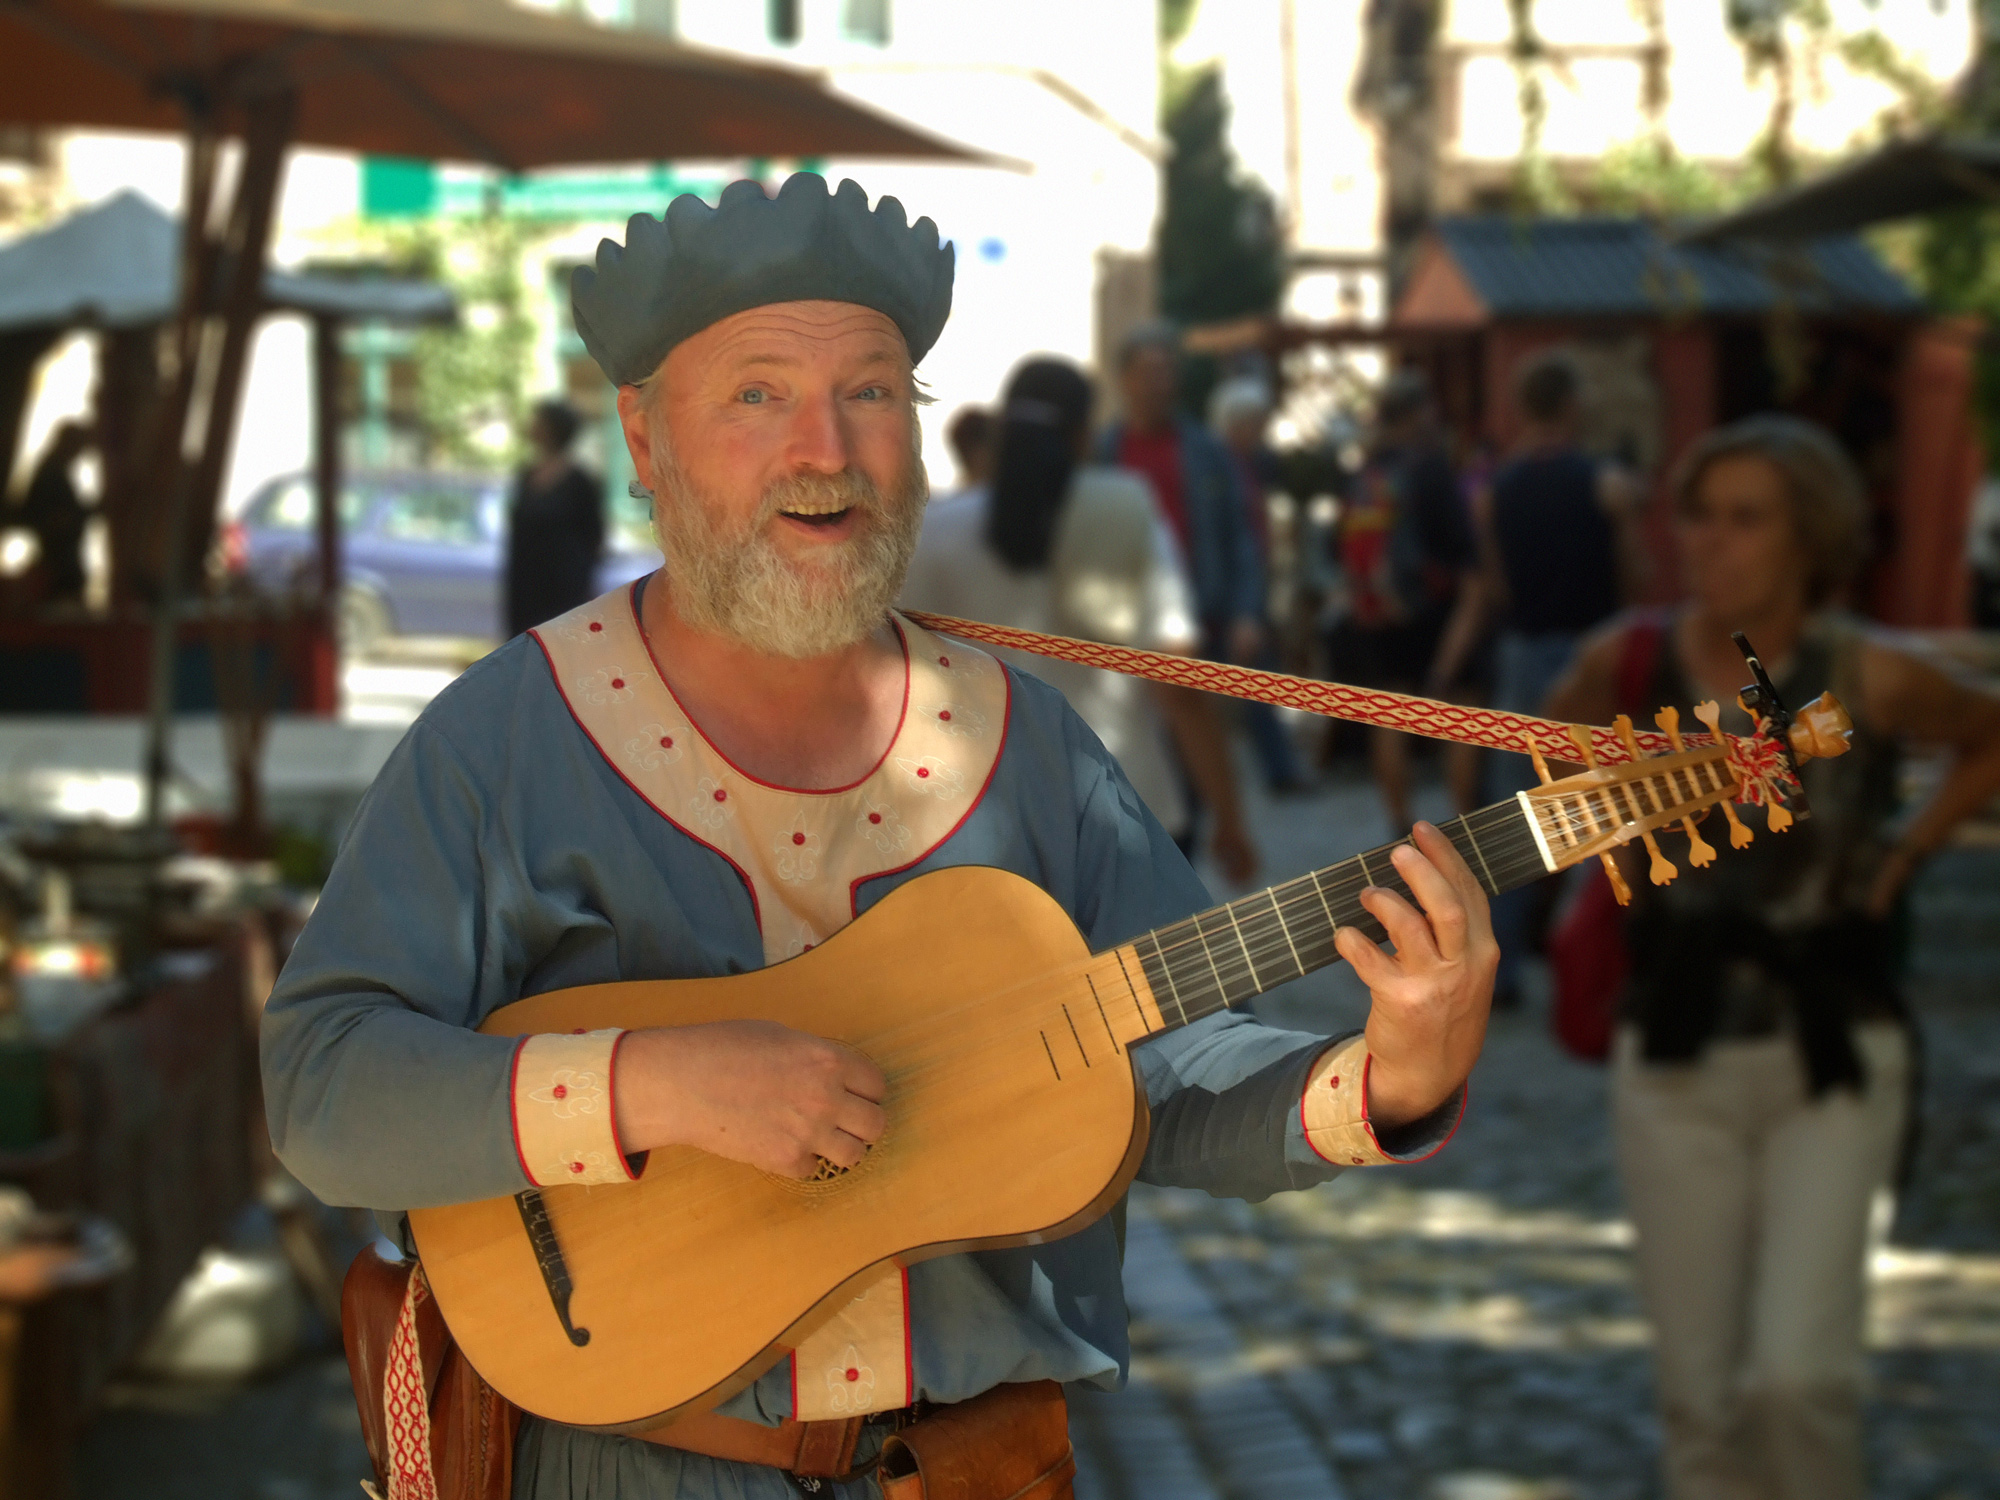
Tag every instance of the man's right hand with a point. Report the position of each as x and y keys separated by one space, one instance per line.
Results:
x=753 y=1091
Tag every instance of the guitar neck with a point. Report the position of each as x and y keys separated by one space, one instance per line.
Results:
x=1232 y=953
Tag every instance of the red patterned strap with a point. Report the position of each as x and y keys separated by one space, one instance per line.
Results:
x=406 y=1404
x=1754 y=759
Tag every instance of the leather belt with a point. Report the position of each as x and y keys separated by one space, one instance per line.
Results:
x=815 y=1450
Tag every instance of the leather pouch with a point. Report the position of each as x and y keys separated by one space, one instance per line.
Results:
x=1010 y=1444
x=472 y=1426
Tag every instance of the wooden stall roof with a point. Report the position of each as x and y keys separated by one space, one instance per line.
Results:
x=1476 y=270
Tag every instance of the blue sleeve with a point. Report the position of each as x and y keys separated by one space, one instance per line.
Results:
x=378 y=1092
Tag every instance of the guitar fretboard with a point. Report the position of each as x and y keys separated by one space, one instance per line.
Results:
x=1234 y=952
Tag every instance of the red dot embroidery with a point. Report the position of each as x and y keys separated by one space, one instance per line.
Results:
x=944 y=661
x=721 y=795
x=596 y=627
x=945 y=714
x=617 y=683
x=923 y=772
x=1333 y=1082
x=577 y=1032
x=666 y=742
x=576 y=1166
x=874 y=817
x=561 y=1091
x=798 y=838
x=1359 y=1162
x=852 y=1373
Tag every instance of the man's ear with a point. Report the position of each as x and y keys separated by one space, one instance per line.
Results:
x=635 y=417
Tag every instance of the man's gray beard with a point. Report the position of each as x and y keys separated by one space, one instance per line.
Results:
x=741 y=586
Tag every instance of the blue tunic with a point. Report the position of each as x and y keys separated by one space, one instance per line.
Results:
x=498 y=855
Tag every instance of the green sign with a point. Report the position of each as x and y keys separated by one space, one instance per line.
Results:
x=396 y=187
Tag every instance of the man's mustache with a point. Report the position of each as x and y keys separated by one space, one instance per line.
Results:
x=847 y=490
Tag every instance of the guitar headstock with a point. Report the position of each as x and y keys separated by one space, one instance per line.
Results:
x=1606 y=806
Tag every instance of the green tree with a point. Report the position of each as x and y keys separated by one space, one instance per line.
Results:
x=472 y=378
x=1219 y=250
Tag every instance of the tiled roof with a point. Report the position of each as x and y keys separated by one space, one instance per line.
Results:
x=1628 y=267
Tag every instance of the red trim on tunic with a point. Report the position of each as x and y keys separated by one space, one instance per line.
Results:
x=741 y=874
x=1465 y=1099
x=639 y=621
x=1006 y=720
x=909 y=1352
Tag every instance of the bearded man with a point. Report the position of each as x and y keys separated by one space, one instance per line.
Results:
x=718 y=768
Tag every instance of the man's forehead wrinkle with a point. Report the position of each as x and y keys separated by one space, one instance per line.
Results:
x=775 y=339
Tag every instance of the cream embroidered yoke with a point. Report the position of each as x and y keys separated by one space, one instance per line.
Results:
x=803 y=855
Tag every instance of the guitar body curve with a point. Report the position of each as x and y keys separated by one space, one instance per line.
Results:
x=1015 y=1117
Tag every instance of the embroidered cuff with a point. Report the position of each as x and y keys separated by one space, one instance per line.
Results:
x=565 y=1129
x=1334 y=1111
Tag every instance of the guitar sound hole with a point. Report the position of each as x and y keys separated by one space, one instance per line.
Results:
x=826 y=1175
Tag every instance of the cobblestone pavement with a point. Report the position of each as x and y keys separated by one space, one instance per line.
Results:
x=1461 y=1330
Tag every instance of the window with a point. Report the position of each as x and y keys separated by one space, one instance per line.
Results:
x=441 y=517
x=782 y=19
x=865 y=21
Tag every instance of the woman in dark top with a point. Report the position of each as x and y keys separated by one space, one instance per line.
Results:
x=1761 y=1074
x=555 y=524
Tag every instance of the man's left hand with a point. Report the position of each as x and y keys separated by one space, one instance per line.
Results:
x=1431 y=996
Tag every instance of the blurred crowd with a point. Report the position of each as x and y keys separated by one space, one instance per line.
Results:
x=1762 y=1059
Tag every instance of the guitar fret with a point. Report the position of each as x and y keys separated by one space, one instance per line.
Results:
x=1199 y=968
x=1279 y=912
x=1237 y=927
x=1167 y=971
x=1332 y=926
x=1201 y=937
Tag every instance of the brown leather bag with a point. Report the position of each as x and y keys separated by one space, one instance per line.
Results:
x=1010 y=1444
x=472 y=1427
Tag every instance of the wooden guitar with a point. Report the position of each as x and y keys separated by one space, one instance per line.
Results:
x=1014 y=1113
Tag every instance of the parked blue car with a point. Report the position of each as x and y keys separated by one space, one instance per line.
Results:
x=421 y=551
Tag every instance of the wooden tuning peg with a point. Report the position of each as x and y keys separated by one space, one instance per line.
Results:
x=1710 y=713
x=1661 y=871
x=1820 y=730
x=1619 y=888
x=1700 y=852
x=1535 y=754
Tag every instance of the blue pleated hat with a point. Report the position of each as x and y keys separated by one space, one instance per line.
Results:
x=696 y=265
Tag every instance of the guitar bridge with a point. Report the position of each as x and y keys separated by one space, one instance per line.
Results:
x=549 y=1260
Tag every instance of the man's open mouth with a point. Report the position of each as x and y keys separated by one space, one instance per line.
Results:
x=815 y=515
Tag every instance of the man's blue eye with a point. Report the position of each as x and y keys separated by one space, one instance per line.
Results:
x=753 y=398
x=871 y=393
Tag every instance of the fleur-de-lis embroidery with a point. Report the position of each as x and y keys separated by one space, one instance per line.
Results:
x=850 y=1384
x=955 y=719
x=882 y=826
x=570 y=1092
x=608 y=685
x=585 y=628
x=929 y=776
x=802 y=939
x=577 y=1164
x=655 y=746
x=795 y=854
x=711 y=805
